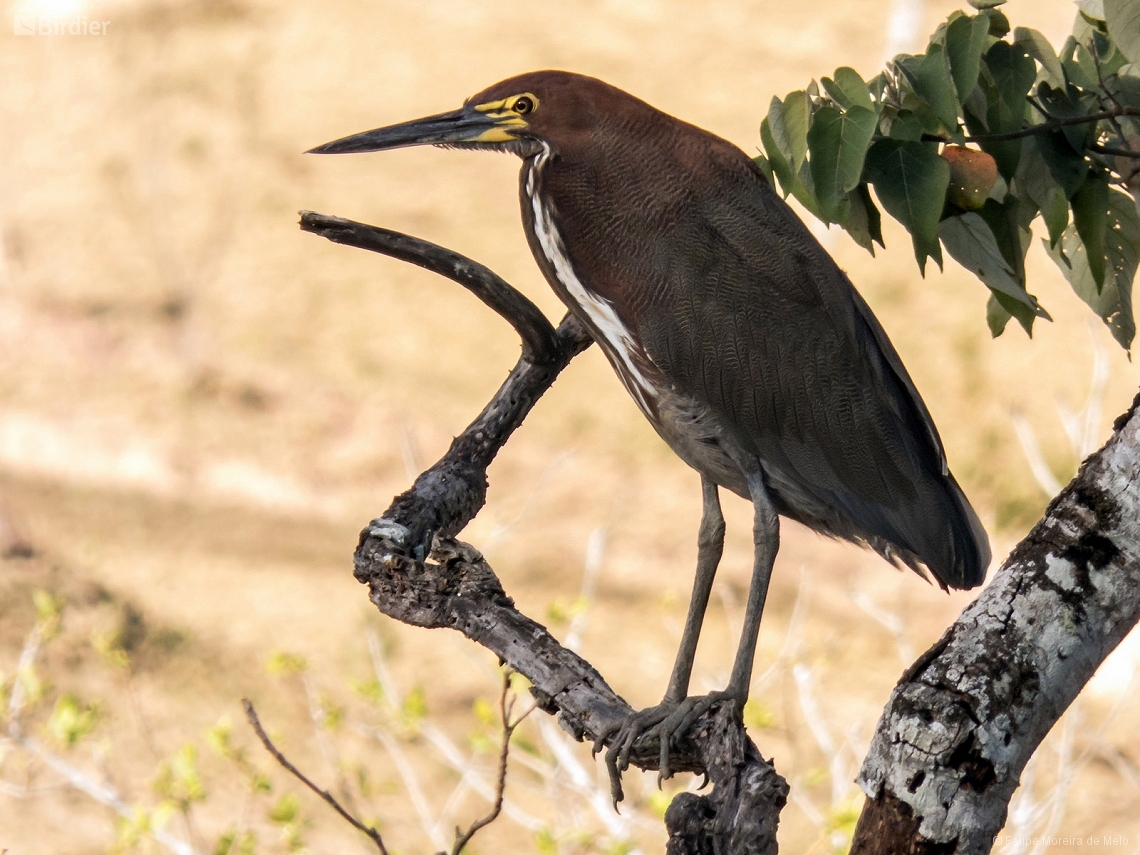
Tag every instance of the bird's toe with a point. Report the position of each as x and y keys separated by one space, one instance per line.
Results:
x=622 y=736
x=667 y=723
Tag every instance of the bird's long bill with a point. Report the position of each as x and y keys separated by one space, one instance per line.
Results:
x=466 y=125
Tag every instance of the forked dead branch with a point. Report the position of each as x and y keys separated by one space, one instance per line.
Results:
x=960 y=726
x=418 y=574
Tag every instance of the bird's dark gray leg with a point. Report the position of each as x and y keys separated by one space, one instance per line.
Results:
x=765 y=545
x=710 y=546
x=766 y=542
x=671 y=719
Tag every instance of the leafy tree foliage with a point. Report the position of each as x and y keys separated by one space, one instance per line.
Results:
x=969 y=144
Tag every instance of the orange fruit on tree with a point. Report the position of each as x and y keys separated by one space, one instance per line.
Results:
x=973 y=174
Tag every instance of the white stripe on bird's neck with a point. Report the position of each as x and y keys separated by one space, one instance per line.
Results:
x=617 y=341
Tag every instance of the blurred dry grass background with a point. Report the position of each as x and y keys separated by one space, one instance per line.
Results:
x=200 y=406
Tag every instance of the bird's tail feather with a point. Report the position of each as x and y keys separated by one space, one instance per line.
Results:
x=952 y=545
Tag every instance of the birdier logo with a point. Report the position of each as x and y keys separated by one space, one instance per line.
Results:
x=52 y=25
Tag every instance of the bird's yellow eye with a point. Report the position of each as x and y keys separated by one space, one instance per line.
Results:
x=523 y=105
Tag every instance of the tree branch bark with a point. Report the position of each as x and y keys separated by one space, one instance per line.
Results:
x=417 y=573
x=967 y=716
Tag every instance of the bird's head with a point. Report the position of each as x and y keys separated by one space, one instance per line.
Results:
x=518 y=115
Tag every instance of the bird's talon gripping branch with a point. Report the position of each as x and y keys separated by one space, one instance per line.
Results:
x=667 y=723
x=620 y=738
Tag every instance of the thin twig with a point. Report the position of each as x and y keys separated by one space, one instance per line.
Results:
x=1033 y=103
x=1104 y=88
x=1100 y=77
x=255 y=723
x=443 y=744
x=1111 y=149
x=1055 y=123
x=506 y=706
x=319 y=718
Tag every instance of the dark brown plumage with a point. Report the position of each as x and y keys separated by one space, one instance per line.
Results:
x=740 y=339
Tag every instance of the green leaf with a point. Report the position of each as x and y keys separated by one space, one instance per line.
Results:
x=965 y=42
x=838 y=142
x=1123 y=20
x=232 y=843
x=905 y=125
x=1036 y=181
x=776 y=130
x=179 y=779
x=1055 y=213
x=1012 y=73
x=1037 y=46
x=910 y=180
x=71 y=720
x=1125 y=88
x=999 y=23
x=765 y=168
x=975 y=105
x=1058 y=103
x=286 y=809
x=1090 y=217
x=1077 y=72
x=1092 y=8
x=803 y=188
x=1066 y=166
x=848 y=89
x=283 y=663
x=996 y=316
x=970 y=241
x=1108 y=55
x=1008 y=222
x=864 y=222
x=758 y=715
x=776 y=159
x=414 y=709
x=484 y=712
x=784 y=134
x=986 y=4
x=929 y=77
x=1113 y=301
x=796 y=112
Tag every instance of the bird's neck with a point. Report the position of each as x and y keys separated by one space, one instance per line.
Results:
x=609 y=329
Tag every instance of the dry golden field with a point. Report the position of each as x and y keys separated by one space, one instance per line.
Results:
x=200 y=407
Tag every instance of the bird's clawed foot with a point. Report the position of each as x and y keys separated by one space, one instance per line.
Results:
x=668 y=722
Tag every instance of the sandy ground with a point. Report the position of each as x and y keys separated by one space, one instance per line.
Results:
x=200 y=406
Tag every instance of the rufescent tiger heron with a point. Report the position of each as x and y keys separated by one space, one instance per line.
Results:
x=738 y=337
